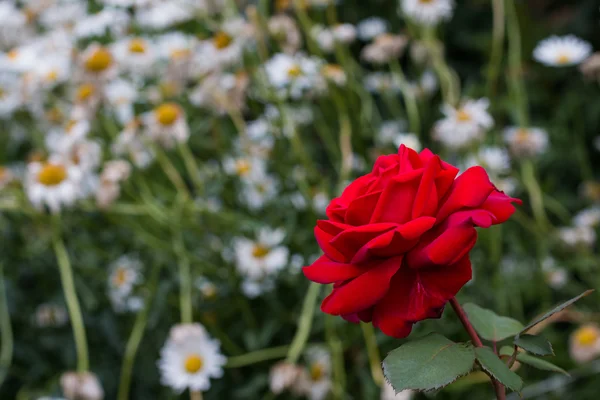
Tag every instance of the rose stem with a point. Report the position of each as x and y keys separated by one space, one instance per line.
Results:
x=498 y=387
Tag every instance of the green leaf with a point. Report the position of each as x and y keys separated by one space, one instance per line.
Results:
x=491 y=326
x=537 y=345
x=539 y=363
x=555 y=310
x=428 y=363
x=491 y=363
x=532 y=361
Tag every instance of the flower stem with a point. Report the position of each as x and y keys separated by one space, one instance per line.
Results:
x=195 y=395
x=185 y=279
x=136 y=337
x=373 y=353
x=192 y=166
x=6 y=352
x=68 y=284
x=497 y=42
x=498 y=387
x=257 y=356
x=304 y=323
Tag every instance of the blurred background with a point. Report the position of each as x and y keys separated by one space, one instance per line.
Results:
x=165 y=161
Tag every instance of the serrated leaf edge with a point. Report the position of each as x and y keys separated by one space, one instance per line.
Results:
x=443 y=385
x=496 y=377
x=536 y=353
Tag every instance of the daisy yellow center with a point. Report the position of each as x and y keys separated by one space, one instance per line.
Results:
x=178 y=54
x=30 y=14
x=167 y=114
x=463 y=116
x=85 y=91
x=2 y=93
x=586 y=336
x=426 y=1
x=332 y=70
x=294 y=71
x=52 y=75
x=70 y=125
x=3 y=173
x=13 y=54
x=52 y=174
x=193 y=363
x=260 y=251
x=137 y=46
x=242 y=167
x=317 y=372
x=120 y=277
x=522 y=135
x=563 y=59
x=99 y=60
x=221 y=40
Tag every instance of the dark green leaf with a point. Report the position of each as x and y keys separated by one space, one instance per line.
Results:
x=491 y=326
x=492 y=364
x=428 y=363
x=555 y=310
x=532 y=361
x=537 y=345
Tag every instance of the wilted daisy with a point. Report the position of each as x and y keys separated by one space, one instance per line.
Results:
x=124 y=274
x=113 y=173
x=463 y=125
x=6 y=177
x=285 y=32
x=368 y=28
x=315 y=381
x=494 y=159
x=261 y=258
x=557 y=277
x=129 y=143
x=584 y=343
x=428 y=12
x=190 y=358
x=283 y=376
x=221 y=92
x=81 y=386
x=166 y=125
x=562 y=51
x=53 y=183
x=590 y=68
x=294 y=75
x=334 y=73
x=50 y=315
x=385 y=48
x=577 y=236
x=389 y=393
x=526 y=142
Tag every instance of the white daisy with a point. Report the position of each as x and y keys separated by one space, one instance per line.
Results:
x=53 y=183
x=389 y=130
x=371 y=27
x=428 y=12
x=463 y=125
x=52 y=70
x=129 y=143
x=381 y=82
x=112 y=20
x=283 y=376
x=61 y=140
x=589 y=217
x=121 y=94
x=98 y=63
x=494 y=159
x=556 y=276
x=285 y=32
x=190 y=358
x=526 y=142
x=262 y=257
x=10 y=94
x=576 y=236
x=136 y=54
x=384 y=48
x=60 y=15
x=166 y=125
x=221 y=92
x=294 y=75
x=244 y=167
x=163 y=14
x=562 y=51
x=258 y=190
x=584 y=343
x=124 y=274
x=13 y=25
x=315 y=381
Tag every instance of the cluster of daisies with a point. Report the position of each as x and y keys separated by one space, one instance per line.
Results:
x=102 y=93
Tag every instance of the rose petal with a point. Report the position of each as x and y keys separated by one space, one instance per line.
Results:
x=364 y=291
x=396 y=201
x=324 y=270
x=426 y=198
x=500 y=205
x=351 y=240
x=360 y=210
x=469 y=190
x=323 y=239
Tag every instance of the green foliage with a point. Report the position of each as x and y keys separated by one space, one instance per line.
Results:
x=532 y=361
x=428 y=363
x=535 y=344
x=491 y=326
x=554 y=311
x=494 y=365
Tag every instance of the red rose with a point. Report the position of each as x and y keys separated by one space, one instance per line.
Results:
x=397 y=240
